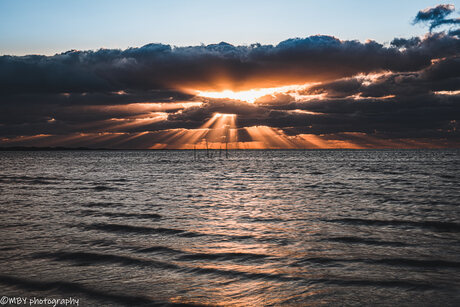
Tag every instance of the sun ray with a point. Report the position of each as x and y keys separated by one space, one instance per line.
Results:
x=271 y=137
x=216 y=132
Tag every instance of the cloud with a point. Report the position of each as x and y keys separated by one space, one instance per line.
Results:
x=196 y=116
x=436 y=16
x=406 y=43
x=157 y=67
x=336 y=89
x=145 y=95
x=442 y=75
x=275 y=99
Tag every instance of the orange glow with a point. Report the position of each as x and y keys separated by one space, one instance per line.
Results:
x=140 y=108
x=261 y=137
x=368 y=79
x=268 y=137
x=218 y=132
x=305 y=112
x=136 y=122
x=23 y=138
x=248 y=95
x=359 y=97
x=181 y=139
x=129 y=138
x=316 y=141
x=447 y=92
x=162 y=106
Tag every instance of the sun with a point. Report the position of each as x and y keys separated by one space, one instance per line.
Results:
x=250 y=95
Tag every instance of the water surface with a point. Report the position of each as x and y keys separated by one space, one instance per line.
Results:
x=316 y=227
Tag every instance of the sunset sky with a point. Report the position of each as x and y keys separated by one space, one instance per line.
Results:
x=254 y=74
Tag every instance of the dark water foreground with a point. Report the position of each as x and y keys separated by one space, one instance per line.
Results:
x=260 y=228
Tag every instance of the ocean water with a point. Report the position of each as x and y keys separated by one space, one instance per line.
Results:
x=261 y=228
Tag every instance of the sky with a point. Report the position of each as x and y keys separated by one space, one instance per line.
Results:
x=190 y=74
x=49 y=27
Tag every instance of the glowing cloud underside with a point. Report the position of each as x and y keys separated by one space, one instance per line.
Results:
x=249 y=95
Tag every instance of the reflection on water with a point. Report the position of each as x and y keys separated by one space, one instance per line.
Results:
x=259 y=228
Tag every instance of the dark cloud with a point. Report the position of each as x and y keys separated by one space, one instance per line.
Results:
x=219 y=66
x=436 y=16
x=442 y=75
x=424 y=115
x=406 y=42
x=336 y=89
x=96 y=98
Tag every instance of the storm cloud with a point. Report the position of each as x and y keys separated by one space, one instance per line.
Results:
x=157 y=67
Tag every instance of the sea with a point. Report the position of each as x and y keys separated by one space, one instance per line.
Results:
x=254 y=228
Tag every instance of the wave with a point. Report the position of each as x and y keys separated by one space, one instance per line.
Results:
x=118 y=180
x=111 y=227
x=358 y=240
x=86 y=258
x=30 y=179
x=187 y=256
x=223 y=256
x=101 y=188
x=158 y=248
x=102 y=205
x=244 y=275
x=422 y=263
x=121 y=214
x=316 y=173
x=17 y=225
x=447 y=176
x=139 y=229
x=263 y=220
x=405 y=284
x=433 y=225
x=95 y=242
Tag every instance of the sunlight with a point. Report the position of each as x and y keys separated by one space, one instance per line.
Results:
x=447 y=92
x=317 y=141
x=268 y=137
x=249 y=95
x=121 y=123
x=217 y=132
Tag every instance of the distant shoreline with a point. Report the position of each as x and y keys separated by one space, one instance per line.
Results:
x=59 y=148
x=32 y=148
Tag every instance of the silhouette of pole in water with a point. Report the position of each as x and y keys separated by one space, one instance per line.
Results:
x=209 y=152
x=194 y=152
